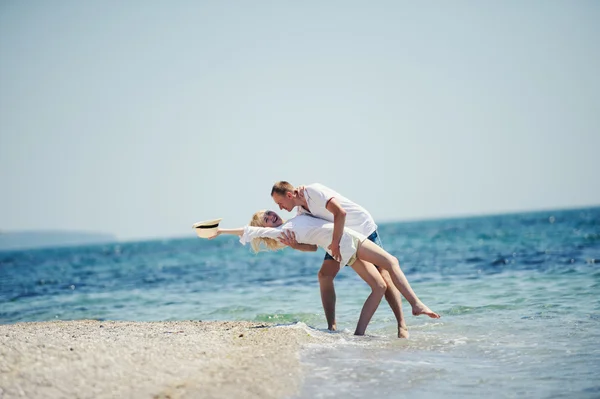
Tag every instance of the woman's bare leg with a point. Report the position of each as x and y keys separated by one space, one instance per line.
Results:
x=370 y=252
x=369 y=273
x=393 y=297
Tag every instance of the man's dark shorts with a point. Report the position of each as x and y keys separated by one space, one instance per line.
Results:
x=373 y=237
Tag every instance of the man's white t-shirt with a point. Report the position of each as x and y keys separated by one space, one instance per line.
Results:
x=357 y=218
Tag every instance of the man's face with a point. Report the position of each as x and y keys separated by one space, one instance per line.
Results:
x=284 y=201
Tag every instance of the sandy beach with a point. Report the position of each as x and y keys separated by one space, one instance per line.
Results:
x=183 y=359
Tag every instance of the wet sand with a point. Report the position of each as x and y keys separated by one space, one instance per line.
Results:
x=184 y=359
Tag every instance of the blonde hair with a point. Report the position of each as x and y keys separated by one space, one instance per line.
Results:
x=263 y=243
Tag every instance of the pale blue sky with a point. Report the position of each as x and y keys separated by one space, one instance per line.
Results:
x=140 y=118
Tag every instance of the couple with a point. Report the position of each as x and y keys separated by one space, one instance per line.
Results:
x=348 y=234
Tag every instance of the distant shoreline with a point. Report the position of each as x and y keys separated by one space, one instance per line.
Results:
x=39 y=239
x=106 y=359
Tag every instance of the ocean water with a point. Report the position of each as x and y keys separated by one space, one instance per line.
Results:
x=519 y=297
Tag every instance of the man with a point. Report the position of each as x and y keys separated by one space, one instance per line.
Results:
x=320 y=201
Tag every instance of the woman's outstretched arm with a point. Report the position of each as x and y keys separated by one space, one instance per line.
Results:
x=248 y=233
x=234 y=232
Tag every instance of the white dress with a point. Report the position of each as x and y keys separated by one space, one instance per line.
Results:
x=309 y=230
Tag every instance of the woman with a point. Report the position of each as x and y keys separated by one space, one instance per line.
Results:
x=356 y=251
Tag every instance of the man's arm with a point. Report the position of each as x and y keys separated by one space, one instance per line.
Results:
x=339 y=221
x=288 y=238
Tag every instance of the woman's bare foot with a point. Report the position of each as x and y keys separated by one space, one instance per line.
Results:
x=419 y=308
x=403 y=332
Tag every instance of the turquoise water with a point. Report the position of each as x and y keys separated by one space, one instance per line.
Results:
x=519 y=297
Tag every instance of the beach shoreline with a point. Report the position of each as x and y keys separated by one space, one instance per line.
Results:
x=174 y=359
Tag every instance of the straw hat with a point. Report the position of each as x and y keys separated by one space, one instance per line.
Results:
x=206 y=229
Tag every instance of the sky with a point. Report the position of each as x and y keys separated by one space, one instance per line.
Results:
x=140 y=118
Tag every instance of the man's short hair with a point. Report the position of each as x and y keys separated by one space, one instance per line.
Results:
x=281 y=188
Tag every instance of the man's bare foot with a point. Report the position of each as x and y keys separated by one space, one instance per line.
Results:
x=420 y=308
x=332 y=328
x=403 y=332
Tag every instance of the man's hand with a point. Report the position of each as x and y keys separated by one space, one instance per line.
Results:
x=288 y=238
x=335 y=251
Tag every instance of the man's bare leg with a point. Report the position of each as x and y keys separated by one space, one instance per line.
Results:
x=329 y=269
x=394 y=299
x=369 y=274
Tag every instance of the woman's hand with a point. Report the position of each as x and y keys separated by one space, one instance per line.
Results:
x=218 y=233
x=236 y=232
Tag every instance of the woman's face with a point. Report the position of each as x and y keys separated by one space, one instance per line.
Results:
x=271 y=219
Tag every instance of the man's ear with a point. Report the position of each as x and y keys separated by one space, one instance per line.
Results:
x=290 y=194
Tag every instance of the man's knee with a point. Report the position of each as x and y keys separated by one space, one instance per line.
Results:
x=386 y=276
x=329 y=270
x=390 y=288
x=379 y=288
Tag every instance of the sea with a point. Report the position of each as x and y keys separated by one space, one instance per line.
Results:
x=519 y=296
